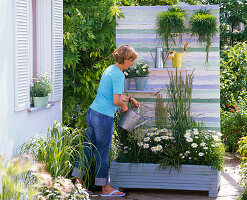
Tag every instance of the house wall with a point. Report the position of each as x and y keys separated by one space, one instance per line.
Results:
x=138 y=30
x=17 y=127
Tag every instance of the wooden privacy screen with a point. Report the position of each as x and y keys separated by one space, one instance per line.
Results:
x=138 y=29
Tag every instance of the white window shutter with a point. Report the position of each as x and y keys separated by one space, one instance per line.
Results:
x=57 y=49
x=22 y=54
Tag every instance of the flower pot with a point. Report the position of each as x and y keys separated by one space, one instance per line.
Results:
x=141 y=83
x=126 y=84
x=177 y=60
x=40 y=101
x=151 y=176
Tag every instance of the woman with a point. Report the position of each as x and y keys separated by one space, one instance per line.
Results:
x=100 y=117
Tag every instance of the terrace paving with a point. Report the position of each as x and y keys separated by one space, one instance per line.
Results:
x=229 y=190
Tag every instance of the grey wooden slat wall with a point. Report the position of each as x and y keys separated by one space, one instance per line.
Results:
x=138 y=30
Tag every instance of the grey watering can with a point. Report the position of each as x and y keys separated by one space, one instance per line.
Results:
x=160 y=58
x=129 y=119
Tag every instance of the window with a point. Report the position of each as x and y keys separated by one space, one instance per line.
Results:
x=38 y=47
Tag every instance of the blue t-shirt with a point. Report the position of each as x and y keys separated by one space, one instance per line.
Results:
x=111 y=82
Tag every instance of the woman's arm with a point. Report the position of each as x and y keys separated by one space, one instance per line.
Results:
x=117 y=100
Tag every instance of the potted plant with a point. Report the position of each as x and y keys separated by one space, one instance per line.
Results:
x=129 y=73
x=40 y=90
x=204 y=26
x=170 y=25
x=140 y=72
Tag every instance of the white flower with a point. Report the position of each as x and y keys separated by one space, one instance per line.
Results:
x=126 y=147
x=194 y=145
x=206 y=148
x=159 y=147
x=169 y=133
x=172 y=138
x=154 y=128
x=146 y=139
x=187 y=152
x=195 y=131
x=203 y=144
x=189 y=158
x=187 y=135
x=181 y=154
x=126 y=73
x=189 y=139
x=164 y=137
x=140 y=144
x=150 y=134
x=201 y=154
x=157 y=139
x=216 y=138
x=145 y=146
x=163 y=130
x=154 y=149
x=219 y=134
x=196 y=137
x=144 y=70
x=137 y=71
x=183 y=157
x=217 y=144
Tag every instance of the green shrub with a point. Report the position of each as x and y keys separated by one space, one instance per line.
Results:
x=233 y=127
x=233 y=80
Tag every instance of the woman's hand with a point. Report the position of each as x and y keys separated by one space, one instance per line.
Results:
x=134 y=102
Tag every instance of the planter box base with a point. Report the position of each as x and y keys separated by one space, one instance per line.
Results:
x=147 y=175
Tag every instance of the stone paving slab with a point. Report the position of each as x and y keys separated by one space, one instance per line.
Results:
x=229 y=190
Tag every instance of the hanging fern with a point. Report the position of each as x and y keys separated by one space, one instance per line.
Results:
x=170 y=25
x=203 y=25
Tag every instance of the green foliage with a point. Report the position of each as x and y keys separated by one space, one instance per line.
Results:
x=233 y=127
x=232 y=12
x=233 y=81
x=89 y=35
x=41 y=86
x=243 y=152
x=170 y=25
x=203 y=25
x=159 y=146
x=59 y=150
x=161 y=112
x=179 y=93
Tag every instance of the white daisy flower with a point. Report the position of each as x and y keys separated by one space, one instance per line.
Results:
x=145 y=146
x=189 y=158
x=203 y=144
x=219 y=134
x=150 y=134
x=137 y=71
x=187 y=135
x=183 y=157
x=196 y=137
x=172 y=138
x=159 y=147
x=146 y=139
x=200 y=154
x=189 y=139
x=140 y=144
x=126 y=73
x=157 y=139
x=169 y=133
x=194 y=145
x=181 y=154
x=217 y=144
x=144 y=70
x=164 y=137
x=195 y=131
x=187 y=152
x=154 y=149
x=206 y=148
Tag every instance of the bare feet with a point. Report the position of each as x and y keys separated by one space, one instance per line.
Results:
x=106 y=189
x=79 y=181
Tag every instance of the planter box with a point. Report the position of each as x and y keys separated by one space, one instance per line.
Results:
x=148 y=175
